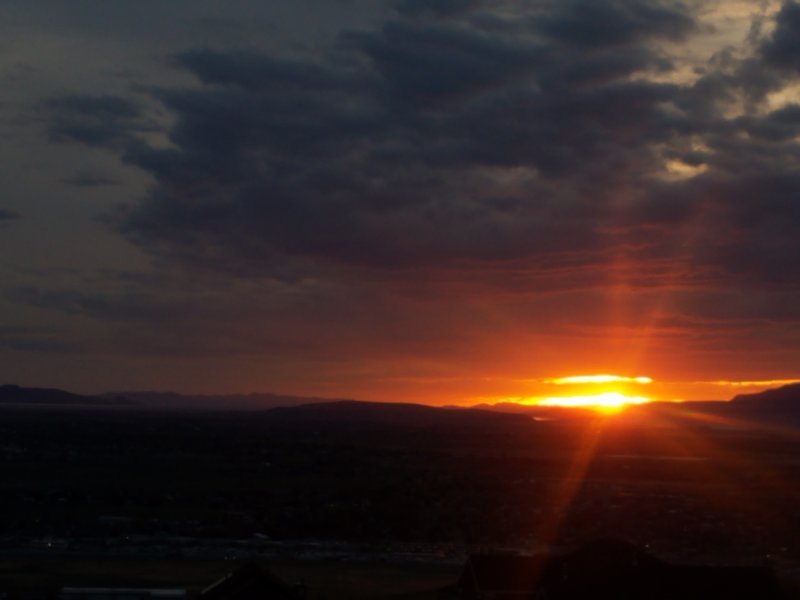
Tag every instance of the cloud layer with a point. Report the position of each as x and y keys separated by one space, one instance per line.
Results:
x=483 y=170
x=467 y=133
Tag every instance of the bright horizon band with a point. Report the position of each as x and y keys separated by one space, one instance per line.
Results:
x=609 y=400
x=598 y=379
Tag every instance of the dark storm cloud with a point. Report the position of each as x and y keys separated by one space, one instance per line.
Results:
x=439 y=8
x=90 y=179
x=94 y=120
x=396 y=157
x=8 y=215
x=783 y=49
x=444 y=140
x=759 y=218
x=137 y=306
x=591 y=24
x=429 y=63
x=773 y=64
x=257 y=72
x=782 y=125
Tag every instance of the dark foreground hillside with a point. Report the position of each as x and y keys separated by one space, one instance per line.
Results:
x=433 y=479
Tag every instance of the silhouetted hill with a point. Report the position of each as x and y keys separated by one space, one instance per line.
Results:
x=175 y=401
x=395 y=414
x=14 y=394
x=776 y=403
x=787 y=395
x=535 y=411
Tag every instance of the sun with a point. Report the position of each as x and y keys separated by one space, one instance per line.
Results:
x=603 y=393
x=607 y=402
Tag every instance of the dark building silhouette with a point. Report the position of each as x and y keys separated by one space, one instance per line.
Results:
x=608 y=569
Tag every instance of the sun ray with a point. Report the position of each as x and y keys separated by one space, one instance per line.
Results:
x=569 y=484
x=737 y=498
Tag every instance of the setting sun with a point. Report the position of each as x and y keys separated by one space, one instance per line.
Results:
x=606 y=402
x=604 y=392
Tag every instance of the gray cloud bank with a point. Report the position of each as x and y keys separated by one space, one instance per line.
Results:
x=468 y=131
x=467 y=148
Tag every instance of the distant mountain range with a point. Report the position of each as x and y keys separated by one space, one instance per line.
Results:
x=286 y=411
x=787 y=395
x=16 y=395
x=783 y=403
x=393 y=413
x=532 y=410
x=23 y=396
x=175 y=401
x=777 y=404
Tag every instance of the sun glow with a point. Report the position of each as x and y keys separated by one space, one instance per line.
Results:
x=577 y=379
x=607 y=402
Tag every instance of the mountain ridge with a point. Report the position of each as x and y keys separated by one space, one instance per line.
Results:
x=783 y=400
x=252 y=401
x=11 y=394
x=785 y=394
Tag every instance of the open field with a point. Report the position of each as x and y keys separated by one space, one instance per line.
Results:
x=325 y=580
x=164 y=485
